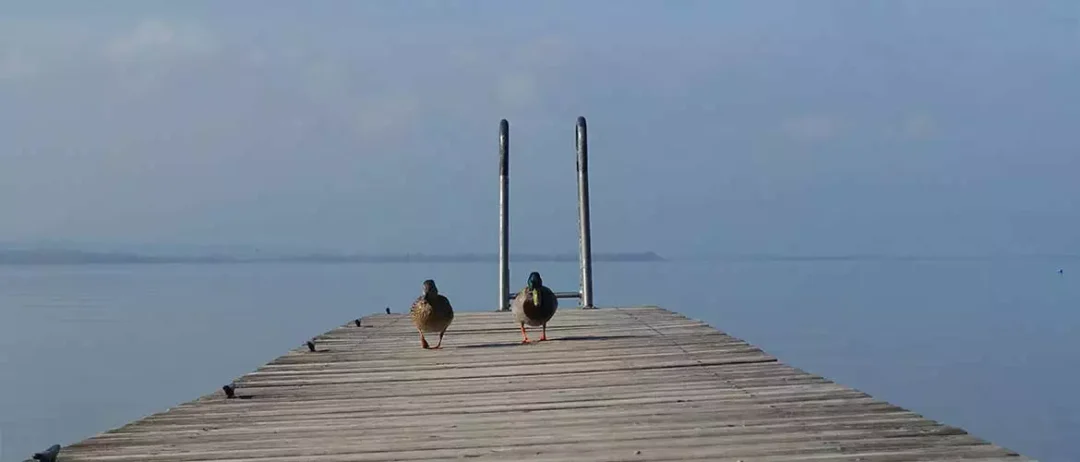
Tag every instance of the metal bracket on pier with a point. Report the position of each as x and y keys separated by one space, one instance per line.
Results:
x=584 y=225
x=48 y=455
x=511 y=295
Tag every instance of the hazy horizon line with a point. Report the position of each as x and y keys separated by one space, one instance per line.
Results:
x=38 y=256
x=64 y=256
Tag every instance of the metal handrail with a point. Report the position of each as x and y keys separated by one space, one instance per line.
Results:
x=585 y=294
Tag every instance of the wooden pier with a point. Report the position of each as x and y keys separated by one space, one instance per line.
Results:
x=610 y=385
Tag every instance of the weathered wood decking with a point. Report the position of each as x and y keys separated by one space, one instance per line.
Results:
x=612 y=384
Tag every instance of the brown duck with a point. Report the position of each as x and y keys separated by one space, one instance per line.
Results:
x=431 y=312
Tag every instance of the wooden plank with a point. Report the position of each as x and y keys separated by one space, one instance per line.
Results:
x=611 y=384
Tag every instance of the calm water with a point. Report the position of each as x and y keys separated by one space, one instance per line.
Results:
x=991 y=346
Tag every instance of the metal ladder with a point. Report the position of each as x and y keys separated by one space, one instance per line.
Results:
x=584 y=294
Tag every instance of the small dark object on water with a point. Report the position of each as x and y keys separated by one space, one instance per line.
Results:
x=388 y=310
x=311 y=346
x=358 y=323
x=48 y=455
x=1061 y=271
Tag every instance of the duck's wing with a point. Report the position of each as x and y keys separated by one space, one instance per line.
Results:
x=445 y=301
x=416 y=304
x=517 y=305
x=549 y=297
x=519 y=299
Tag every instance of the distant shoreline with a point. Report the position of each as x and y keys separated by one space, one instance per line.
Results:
x=78 y=257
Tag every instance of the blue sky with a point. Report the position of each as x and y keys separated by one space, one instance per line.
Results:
x=798 y=127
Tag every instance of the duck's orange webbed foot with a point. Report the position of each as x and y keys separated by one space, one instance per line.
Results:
x=438 y=346
x=543 y=334
x=423 y=341
x=524 y=336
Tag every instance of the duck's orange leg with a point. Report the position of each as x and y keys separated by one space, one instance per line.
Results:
x=524 y=336
x=423 y=341
x=439 y=345
x=543 y=333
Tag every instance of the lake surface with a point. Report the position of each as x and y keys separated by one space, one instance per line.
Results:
x=992 y=346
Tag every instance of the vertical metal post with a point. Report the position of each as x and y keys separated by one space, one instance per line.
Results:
x=504 y=214
x=584 y=233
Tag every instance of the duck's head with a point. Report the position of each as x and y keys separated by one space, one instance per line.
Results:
x=534 y=284
x=429 y=288
x=535 y=281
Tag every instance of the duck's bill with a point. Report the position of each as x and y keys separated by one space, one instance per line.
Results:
x=536 y=297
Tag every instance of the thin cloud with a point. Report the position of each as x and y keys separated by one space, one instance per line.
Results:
x=517 y=90
x=157 y=38
x=219 y=125
x=811 y=127
x=386 y=118
x=15 y=64
x=919 y=126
